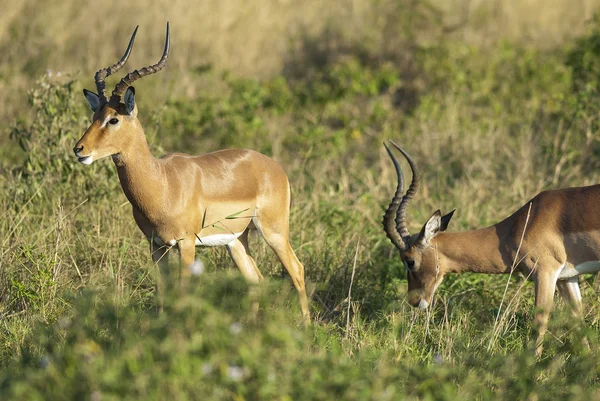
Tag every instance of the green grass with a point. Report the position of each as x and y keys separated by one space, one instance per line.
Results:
x=489 y=122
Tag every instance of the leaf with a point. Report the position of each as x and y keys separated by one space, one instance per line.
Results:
x=234 y=215
x=217 y=227
x=204 y=218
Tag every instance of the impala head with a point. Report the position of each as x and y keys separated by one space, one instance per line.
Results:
x=115 y=120
x=419 y=252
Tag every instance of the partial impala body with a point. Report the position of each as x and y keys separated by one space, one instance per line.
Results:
x=553 y=238
x=184 y=201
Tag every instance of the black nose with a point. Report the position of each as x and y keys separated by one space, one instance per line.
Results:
x=77 y=149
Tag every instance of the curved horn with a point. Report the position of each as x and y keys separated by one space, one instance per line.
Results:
x=389 y=224
x=126 y=82
x=102 y=74
x=410 y=193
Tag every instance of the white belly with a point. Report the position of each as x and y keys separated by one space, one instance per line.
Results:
x=208 y=240
x=216 y=239
x=583 y=268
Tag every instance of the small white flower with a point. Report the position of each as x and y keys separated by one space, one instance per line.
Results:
x=44 y=362
x=235 y=328
x=49 y=72
x=197 y=268
x=235 y=373
x=207 y=369
x=64 y=323
x=58 y=73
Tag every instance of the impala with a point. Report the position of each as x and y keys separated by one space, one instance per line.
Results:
x=184 y=201
x=553 y=238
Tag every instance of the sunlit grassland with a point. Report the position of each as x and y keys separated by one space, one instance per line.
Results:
x=496 y=101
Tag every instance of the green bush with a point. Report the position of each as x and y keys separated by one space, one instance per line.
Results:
x=56 y=125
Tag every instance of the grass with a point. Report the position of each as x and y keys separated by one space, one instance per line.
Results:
x=492 y=113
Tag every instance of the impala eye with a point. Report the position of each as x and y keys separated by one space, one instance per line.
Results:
x=113 y=121
x=410 y=264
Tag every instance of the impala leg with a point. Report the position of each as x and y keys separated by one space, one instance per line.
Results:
x=545 y=284
x=187 y=252
x=240 y=253
x=569 y=291
x=160 y=257
x=280 y=244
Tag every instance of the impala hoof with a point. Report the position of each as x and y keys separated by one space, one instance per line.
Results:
x=423 y=304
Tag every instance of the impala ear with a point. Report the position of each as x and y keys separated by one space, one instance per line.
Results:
x=446 y=220
x=129 y=100
x=431 y=228
x=93 y=99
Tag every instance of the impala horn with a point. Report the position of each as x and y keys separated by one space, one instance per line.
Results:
x=130 y=78
x=394 y=220
x=102 y=74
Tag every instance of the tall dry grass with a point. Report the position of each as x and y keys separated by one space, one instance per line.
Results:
x=249 y=38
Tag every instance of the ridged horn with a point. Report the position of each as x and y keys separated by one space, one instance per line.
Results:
x=398 y=233
x=102 y=74
x=130 y=78
x=389 y=224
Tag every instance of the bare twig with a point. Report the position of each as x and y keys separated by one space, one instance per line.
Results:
x=512 y=269
x=350 y=289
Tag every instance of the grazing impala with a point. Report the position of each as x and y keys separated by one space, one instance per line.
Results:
x=183 y=201
x=555 y=237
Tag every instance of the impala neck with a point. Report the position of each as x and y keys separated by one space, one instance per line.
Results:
x=139 y=171
x=476 y=251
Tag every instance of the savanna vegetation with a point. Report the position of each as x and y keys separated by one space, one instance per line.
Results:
x=495 y=100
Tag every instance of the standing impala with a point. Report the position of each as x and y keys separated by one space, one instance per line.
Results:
x=183 y=201
x=554 y=238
